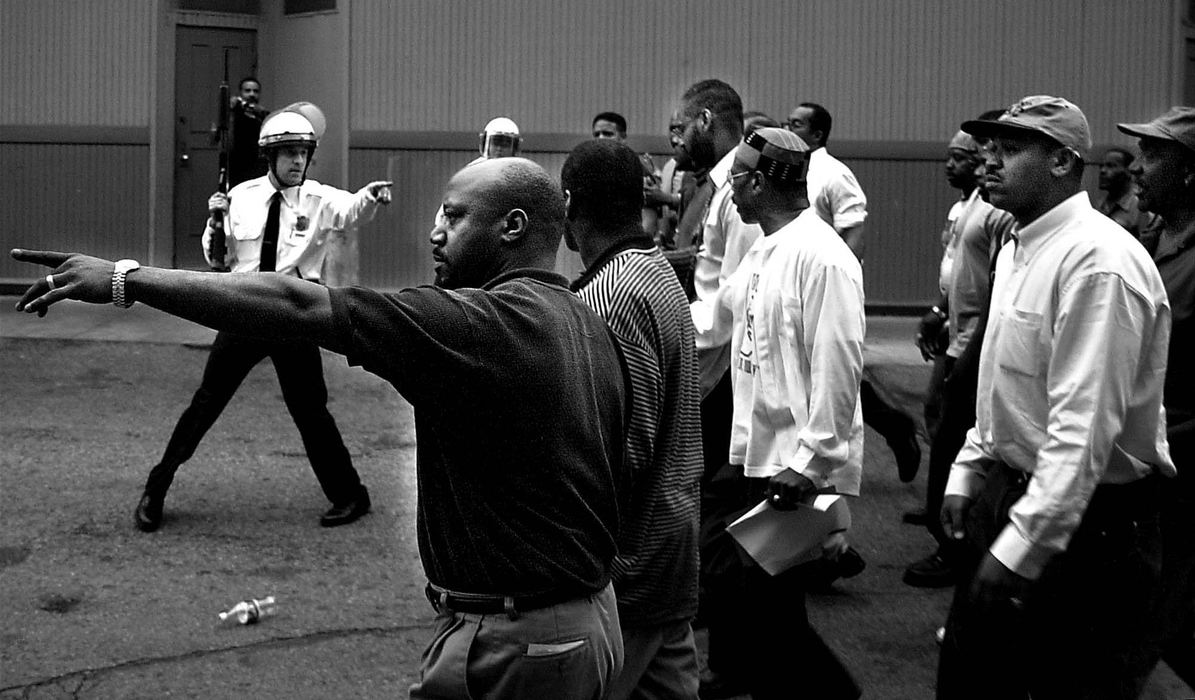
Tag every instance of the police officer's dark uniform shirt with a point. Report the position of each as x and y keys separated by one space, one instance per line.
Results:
x=519 y=395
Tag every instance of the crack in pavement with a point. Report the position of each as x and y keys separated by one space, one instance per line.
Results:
x=83 y=676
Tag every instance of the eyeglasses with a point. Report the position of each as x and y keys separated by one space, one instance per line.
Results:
x=735 y=176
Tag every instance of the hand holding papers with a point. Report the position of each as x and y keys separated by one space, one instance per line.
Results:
x=780 y=539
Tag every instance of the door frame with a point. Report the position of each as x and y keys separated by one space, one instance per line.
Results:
x=164 y=114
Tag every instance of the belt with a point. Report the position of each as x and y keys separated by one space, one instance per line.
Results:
x=485 y=604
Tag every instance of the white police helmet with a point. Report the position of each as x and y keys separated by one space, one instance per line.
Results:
x=499 y=138
x=285 y=128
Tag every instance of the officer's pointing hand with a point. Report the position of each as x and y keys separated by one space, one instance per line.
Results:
x=380 y=190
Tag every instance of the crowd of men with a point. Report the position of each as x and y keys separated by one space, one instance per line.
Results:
x=583 y=445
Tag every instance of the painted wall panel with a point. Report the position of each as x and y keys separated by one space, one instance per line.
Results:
x=89 y=198
x=905 y=70
x=85 y=62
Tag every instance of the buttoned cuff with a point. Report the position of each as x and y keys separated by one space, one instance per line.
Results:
x=807 y=464
x=964 y=481
x=849 y=219
x=1020 y=555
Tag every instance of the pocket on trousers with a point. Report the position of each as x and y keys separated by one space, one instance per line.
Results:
x=505 y=668
x=541 y=650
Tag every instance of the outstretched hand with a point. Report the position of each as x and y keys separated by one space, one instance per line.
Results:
x=380 y=190
x=72 y=276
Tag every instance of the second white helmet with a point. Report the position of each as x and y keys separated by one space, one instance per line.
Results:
x=500 y=137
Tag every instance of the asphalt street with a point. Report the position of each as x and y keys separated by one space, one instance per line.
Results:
x=92 y=608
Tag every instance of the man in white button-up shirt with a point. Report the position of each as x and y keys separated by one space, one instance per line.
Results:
x=793 y=315
x=275 y=223
x=1056 y=490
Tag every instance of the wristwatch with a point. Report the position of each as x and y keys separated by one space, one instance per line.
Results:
x=123 y=267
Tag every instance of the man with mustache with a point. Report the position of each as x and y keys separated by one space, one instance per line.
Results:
x=1055 y=494
x=1164 y=176
x=519 y=396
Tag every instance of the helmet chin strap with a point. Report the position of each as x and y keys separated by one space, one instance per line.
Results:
x=272 y=159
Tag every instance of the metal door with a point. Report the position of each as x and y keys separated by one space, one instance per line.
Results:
x=198 y=71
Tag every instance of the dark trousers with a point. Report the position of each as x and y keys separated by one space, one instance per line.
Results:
x=1172 y=634
x=717 y=503
x=893 y=424
x=301 y=377
x=760 y=627
x=957 y=416
x=1082 y=621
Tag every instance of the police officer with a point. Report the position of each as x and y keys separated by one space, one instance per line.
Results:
x=278 y=222
x=499 y=139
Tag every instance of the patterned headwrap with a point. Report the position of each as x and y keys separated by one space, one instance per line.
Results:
x=777 y=153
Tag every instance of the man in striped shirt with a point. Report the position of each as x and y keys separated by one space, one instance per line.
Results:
x=631 y=285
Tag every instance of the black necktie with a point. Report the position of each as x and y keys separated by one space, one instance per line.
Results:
x=269 y=243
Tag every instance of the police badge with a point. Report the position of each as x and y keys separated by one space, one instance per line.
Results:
x=301 y=223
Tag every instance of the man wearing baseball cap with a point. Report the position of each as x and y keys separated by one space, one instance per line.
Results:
x=792 y=313
x=1165 y=180
x=1055 y=495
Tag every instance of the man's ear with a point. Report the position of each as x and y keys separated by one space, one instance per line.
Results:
x=1064 y=161
x=568 y=204
x=515 y=226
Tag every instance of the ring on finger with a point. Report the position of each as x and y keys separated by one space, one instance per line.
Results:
x=50 y=281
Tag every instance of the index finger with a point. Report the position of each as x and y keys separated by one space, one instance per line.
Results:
x=49 y=258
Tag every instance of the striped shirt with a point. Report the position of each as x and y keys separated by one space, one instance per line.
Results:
x=655 y=571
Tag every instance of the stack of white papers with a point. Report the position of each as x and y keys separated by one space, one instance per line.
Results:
x=780 y=539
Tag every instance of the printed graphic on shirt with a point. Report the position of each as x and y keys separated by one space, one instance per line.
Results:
x=745 y=362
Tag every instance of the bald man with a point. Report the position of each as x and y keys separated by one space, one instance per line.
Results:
x=517 y=512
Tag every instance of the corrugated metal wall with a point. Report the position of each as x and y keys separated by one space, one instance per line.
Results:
x=82 y=68
x=93 y=198
x=80 y=62
x=894 y=72
x=889 y=70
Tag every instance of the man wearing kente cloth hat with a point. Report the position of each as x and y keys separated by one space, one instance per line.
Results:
x=1055 y=494
x=793 y=314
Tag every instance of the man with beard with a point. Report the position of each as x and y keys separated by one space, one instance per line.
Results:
x=518 y=393
x=711 y=127
x=1165 y=183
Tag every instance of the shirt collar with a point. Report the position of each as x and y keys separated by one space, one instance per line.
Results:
x=535 y=273
x=1174 y=242
x=1032 y=236
x=720 y=173
x=637 y=243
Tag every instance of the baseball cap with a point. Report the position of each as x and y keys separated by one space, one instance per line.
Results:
x=1176 y=125
x=964 y=142
x=1050 y=116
